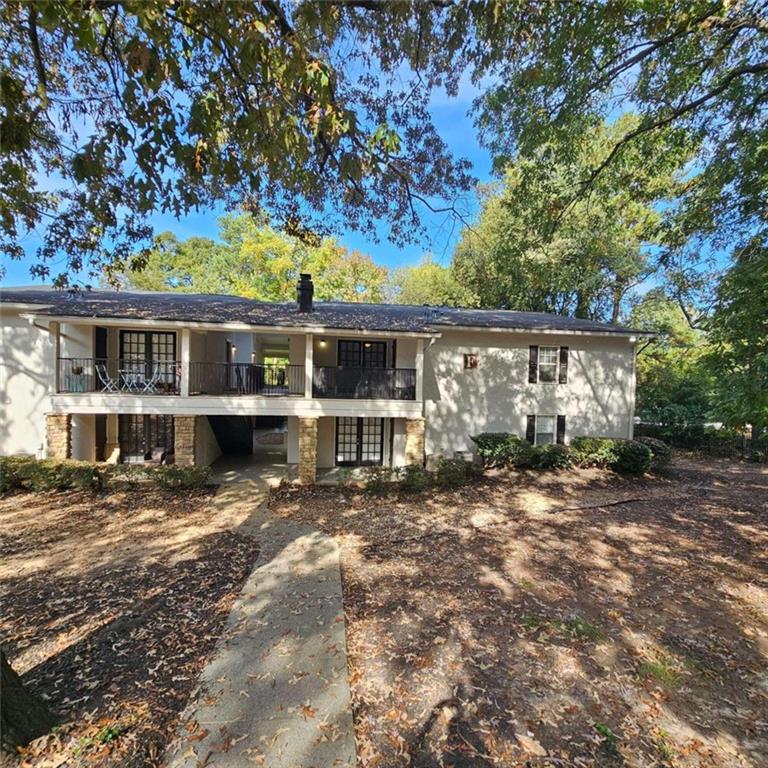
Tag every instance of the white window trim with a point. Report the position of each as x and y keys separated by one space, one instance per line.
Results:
x=536 y=428
x=556 y=365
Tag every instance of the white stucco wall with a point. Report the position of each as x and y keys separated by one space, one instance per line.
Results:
x=496 y=396
x=292 y=440
x=26 y=375
x=398 y=443
x=206 y=446
x=84 y=437
x=326 y=442
x=76 y=340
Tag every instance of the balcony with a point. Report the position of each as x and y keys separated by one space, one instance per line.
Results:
x=147 y=377
x=364 y=383
x=273 y=380
x=130 y=376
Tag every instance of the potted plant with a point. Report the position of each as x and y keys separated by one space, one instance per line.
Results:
x=77 y=379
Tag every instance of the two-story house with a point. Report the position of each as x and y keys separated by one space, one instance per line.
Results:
x=124 y=376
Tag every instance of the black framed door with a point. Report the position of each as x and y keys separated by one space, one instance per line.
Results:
x=359 y=441
x=362 y=354
x=139 y=435
x=141 y=352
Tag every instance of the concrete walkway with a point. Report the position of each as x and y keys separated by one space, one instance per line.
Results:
x=276 y=693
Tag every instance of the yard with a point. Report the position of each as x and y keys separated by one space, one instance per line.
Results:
x=111 y=605
x=560 y=619
x=568 y=618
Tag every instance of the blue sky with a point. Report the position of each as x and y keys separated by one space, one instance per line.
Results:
x=455 y=126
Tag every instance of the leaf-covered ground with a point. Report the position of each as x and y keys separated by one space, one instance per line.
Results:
x=111 y=606
x=560 y=619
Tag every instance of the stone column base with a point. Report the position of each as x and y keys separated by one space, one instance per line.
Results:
x=58 y=427
x=414 y=441
x=184 y=434
x=307 y=449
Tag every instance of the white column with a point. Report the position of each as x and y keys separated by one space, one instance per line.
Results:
x=309 y=353
x=186 y=345
x=419 y=369
x=54 y=330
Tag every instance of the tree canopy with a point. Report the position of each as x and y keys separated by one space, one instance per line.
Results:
x=113 y=110
x=674 y=384
x=536 y=248
x=427 y=283
x=738 y=334
x=318 y=112
x=699 y=66
x=256 y=261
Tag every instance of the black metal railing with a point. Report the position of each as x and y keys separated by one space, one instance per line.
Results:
x=135 y=376
x=246 y=379
x=364 y=383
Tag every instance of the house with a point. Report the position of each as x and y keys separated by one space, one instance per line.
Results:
x=122 y=376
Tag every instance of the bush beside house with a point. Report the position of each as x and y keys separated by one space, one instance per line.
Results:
x=31 y=474
x=631 y=456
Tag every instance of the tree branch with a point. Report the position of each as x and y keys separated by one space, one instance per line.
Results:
x=676 y=113
x=35 y=42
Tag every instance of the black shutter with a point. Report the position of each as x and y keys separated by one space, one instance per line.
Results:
x=563 y=377
x=530 y=429
x=560 y=430
x=533 y=364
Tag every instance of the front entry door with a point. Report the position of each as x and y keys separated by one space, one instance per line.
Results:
x=359 y=441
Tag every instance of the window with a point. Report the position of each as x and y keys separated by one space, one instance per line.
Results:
x=545 y=430
x=470 y=361
x=548 y=359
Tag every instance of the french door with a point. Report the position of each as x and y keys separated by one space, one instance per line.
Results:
x=139 y=435
x=148 y=354
x=362 y=354
x=359 y=441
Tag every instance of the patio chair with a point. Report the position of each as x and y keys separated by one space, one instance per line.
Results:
x=150 y=384
x=107 y=382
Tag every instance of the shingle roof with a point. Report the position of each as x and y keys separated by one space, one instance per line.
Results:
x=214 y=308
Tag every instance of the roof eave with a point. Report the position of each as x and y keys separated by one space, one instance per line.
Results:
x=223 y=326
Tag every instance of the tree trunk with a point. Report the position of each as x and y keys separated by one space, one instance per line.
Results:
x=23 y=716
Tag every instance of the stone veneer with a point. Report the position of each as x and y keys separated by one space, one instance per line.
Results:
x=307 y=449
x=58 y=428
x=184 y=431
x=414 y=441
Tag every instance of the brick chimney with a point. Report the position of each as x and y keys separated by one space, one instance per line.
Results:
x=304 y=292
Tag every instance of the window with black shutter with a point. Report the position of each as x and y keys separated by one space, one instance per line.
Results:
x=530 y=428
x=533 y=364
x=560 y=429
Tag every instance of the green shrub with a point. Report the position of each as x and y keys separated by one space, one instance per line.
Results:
x=60 y=475
x=661 y=453
x=377 y=478
x=26 y=472
x=551 y=456
x=171 y=476
x=632 y=457
x=593 y=451
x=12 y=472
x=168 y=476
x=453 y=473
x=495 y=448
x=414 y=478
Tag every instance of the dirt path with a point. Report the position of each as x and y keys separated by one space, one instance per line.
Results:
x=575 y=618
